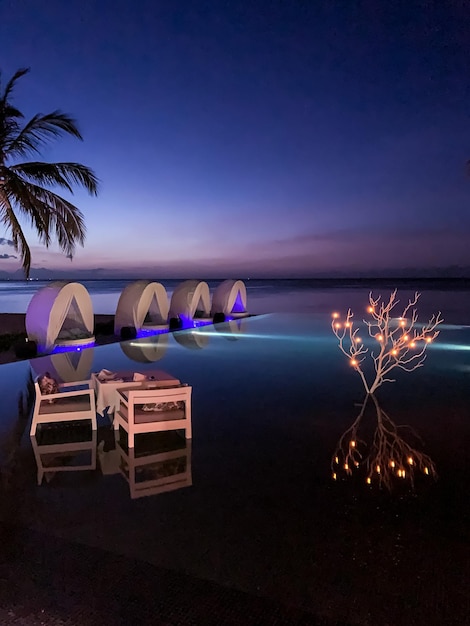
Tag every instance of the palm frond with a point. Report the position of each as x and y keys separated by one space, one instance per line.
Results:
x=11 y=83
x=8 y=218
x=64 y=175
x=49 y=213
x=39 y=131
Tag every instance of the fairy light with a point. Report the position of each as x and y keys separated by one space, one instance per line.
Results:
x=426 y=471
x=368 y=480
x=392 y=464
x=410 y=460
x=346 y=466
x=336 y=460
x=377 y=469
x=396 y=336
x=356 y=463
x=352 y=444
x=334 y=476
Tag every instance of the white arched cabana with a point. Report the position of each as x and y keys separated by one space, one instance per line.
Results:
x=146 y=350
x=143 y=305
x=60 y=314
x=230 y=299
x=191 y=299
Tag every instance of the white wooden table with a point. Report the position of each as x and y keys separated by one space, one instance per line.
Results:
x=106 y=390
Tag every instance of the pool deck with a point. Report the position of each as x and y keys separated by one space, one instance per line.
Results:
x=47 y=581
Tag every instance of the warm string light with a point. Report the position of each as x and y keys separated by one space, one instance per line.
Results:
x=396 y=337
x=401 y=345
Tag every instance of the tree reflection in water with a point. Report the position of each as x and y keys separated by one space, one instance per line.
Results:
x=375 y=448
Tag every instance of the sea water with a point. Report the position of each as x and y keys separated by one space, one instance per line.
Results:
x=322 y=296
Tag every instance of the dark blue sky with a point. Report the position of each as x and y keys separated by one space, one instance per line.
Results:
x=289 y=138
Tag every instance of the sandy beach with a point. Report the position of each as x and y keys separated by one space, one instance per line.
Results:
x=14 y=323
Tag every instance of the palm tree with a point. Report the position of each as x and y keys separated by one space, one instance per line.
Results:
x=24 y=186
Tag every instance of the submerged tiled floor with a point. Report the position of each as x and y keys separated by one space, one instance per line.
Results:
x=48 y=581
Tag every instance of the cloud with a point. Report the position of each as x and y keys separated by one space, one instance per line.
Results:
x=6 y=242
x=7 y=256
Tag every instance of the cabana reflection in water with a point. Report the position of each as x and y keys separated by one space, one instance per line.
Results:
x=153 y=348
x=65 y=367
x=146 y=350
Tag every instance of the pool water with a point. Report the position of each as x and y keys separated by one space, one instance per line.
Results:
x=272 y=396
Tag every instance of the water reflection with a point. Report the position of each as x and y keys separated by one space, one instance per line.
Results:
x=65 y=367
x=147 y=350
x=379 y=451
x=64 y=447
x=10 y=443
x=232 y=329
x=159 y=462
x=193 y=340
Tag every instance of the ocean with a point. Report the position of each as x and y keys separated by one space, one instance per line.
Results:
x=320 y=296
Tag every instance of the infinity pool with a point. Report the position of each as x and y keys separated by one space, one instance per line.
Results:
x=272 y=395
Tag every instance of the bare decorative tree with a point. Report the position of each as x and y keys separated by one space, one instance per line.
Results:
x=389 y=457
x=402 y=341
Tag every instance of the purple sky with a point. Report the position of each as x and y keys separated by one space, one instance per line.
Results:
x=255 y=138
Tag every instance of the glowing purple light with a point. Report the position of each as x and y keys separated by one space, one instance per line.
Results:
x=148 y=332
x=60 y=349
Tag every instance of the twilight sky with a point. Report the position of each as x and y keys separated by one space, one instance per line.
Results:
x=260 y=138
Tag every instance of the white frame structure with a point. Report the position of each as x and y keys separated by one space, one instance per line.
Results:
x=60 y=407
x=131 y=399
x=55 y=307
x=138 y=300
x=189 y=297
x=229 y=298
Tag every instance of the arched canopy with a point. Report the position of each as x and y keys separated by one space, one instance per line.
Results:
x=60 y=313
x=66 y=367
x=146 y=350
x=230 y=298
x=142 y=304
x=191 y=299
